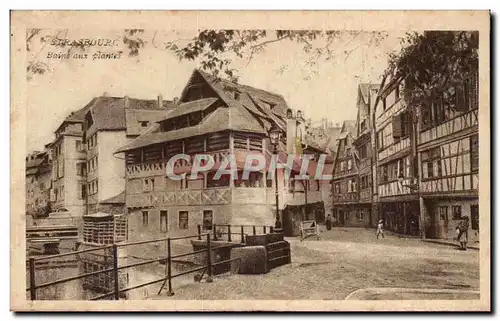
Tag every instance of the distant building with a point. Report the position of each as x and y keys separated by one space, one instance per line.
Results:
x=448 y=150
x=215 y=117
x=68 y=152
x=364 y=146
x=86 y=176
x=111 y=122
x=345 y=183
x=38 y=183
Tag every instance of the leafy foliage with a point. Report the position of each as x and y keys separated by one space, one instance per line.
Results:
x=132 y=39
x=212 y=47
x=433 y=61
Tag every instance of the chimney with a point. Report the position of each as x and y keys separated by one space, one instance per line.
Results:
x=105 y=94
x=176 y=100
x=160 y=101
x=126 y=101
x=291 y=135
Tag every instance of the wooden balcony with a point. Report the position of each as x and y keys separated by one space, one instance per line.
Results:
x=396 y=188
x=460 y=183
x=397 y=107
x=214 y=196
x=452 y=126
x=365 y=195
x=394 y=148
x=351 y=197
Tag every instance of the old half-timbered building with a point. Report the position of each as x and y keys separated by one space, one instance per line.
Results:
x=396 y=161
x=345 y=183
x=364 y=150
x=448 y=150
x=217 y=117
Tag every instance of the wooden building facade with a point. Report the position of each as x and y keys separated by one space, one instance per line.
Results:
x=448 y=150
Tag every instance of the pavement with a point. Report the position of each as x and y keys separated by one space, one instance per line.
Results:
x=346 y=260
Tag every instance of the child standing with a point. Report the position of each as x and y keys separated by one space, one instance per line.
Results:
x=380 y=228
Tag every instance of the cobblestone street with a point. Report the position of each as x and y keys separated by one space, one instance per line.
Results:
x=343 y=261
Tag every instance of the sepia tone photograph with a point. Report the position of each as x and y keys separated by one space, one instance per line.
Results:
x=334 y=164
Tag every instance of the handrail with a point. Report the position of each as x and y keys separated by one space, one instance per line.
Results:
x=47 y=257
x=116 y=291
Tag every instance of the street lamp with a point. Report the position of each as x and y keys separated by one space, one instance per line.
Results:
x=275 y=137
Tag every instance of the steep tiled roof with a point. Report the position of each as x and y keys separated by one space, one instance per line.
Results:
x=253 y=111
x=109 y=113
x=190 y=107
x=117 y=199
x=349 y=126
x=365 y=90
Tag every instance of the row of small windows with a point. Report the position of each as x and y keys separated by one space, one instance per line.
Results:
x=92 y=141
x=456 y=214
x=183 y=220
x=92 y=164
x=93 y=187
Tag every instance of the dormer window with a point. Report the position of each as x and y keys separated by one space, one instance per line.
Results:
x=144 y=123
x=237 y=95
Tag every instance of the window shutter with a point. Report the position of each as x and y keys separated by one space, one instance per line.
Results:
x=397 y=126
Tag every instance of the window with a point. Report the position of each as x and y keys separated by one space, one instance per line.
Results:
x=144 y=123
x=349 y=165
x=474 y=217
x=362 y=126
x=81 y=169
x=183 y=220
x=337 y=188
x=443 y=213
x=474 y=149
x=456 y=212
x=148 y=184
x=163 y=221
x=79 y=146
x=208 y=219
x=223 y=181
x=145 y=218
x=431 y=160
x=342 y=166
x=83 y=190
x=360 y=215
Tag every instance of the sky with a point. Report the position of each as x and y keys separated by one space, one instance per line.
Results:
x=328 y=89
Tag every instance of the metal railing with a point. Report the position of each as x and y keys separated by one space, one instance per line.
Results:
x=167 y=280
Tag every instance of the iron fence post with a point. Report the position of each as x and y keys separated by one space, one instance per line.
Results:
x=199 y=232
x=264 y=229
x=254 y=231
x=271 y=230
x=32 y=278
x=115 y=272
x=215 y=232
x=169 y=269
x=242 y=235
x=229 y=233
x=209 y=260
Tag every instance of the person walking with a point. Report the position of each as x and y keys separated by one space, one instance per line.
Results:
x=380 y=228
x=463 y=233
x=328 y=222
